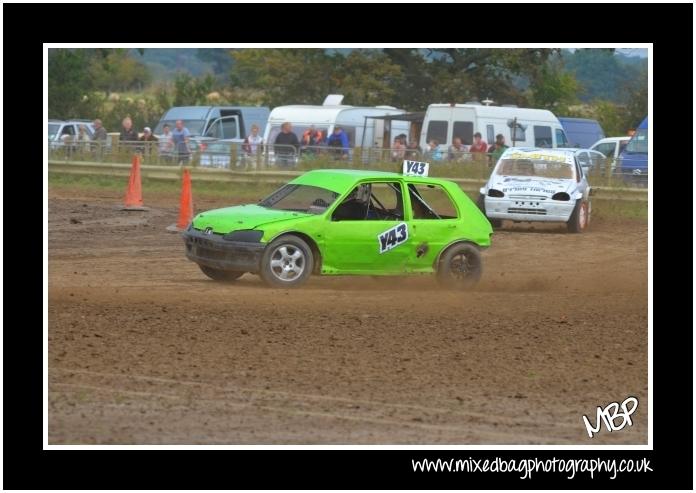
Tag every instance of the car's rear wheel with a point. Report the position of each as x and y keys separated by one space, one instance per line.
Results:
x=580 y=218
x=460 y=267
x=221 y=275
x=287 y=262
x=481 y=203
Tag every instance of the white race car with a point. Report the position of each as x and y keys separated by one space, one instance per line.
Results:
x=530 y=184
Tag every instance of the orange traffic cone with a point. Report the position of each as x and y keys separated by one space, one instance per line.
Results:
x=186 y=204
x=134 y=192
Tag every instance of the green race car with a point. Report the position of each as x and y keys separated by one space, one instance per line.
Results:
x=345 y=222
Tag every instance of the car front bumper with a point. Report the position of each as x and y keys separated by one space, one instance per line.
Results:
x=529 y=210
x=213 y=251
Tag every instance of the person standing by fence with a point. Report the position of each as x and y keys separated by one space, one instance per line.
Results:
x=165 y=144
x=128 y=135
x=99 y=131
x=149 y=141
x=398 y=149
x=180 y=138
x=339 y=141
x=286 y=145
x=253 y=143
x=498 y=148
x=457 y=150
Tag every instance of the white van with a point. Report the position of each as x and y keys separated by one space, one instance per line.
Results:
x=362 y=130
x=533 y=128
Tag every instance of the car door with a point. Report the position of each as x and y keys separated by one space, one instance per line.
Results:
x=360 y=239
x=434 y=220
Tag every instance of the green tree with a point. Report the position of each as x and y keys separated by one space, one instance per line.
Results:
x=116 y=70
x=69 y=82
x=637 y=99
x=221 y=60
x=553 y=88
x=285 y=76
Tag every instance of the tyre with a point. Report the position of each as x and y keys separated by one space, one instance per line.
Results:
x=481 y=203
x=580 y=218
x=287 y=262
x=460 y=267
x=220 y=275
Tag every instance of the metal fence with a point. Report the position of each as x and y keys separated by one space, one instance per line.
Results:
x=239 y=156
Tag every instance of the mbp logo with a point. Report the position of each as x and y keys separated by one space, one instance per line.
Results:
x=609 y=414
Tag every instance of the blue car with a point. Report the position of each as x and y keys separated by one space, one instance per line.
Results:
x=581 y=132
x=633 y=161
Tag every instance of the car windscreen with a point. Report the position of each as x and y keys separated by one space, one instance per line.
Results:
x=53 y=130
x=300 y=198
x=194 y=126
x=639 y=143
x=535 y=167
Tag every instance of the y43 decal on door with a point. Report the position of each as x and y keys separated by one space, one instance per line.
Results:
x=392 y=237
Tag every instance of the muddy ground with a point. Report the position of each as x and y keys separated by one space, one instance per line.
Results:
x=144 y=349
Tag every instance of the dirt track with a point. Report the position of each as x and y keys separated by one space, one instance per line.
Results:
x=143 y=348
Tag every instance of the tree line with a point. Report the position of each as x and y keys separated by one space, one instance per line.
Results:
x=589 y=82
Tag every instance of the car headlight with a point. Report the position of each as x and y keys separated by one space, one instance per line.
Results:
x=245 y=235
x=495 y=193
x=560 y=196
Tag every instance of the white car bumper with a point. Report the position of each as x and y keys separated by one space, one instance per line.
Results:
x=529 y=210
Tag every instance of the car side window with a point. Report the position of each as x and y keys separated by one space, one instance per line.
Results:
x=561 y=140
x=578 y=171
x=68 y=130
x=377 y=201
x=607 y=149
x=431 y=202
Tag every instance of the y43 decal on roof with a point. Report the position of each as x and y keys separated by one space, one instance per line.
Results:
x=392 y=237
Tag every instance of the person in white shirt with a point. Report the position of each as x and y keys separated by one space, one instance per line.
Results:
x=253 y=141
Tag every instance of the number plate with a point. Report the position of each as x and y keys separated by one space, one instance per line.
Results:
x=415 y=168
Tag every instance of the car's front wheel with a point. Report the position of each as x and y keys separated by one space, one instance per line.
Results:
x=287 y=262
x=220 y=275
x=460 y=267
x=580 y=218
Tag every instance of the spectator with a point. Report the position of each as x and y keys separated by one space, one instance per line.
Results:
x=339 y=141
x=498 y=148
x=147 y=136
x=166 y=144
x=413 y=150
x=99 y=130
x=181 y=138
x=82 y=138
x=287 y=143
x=127 y=132
x=312 y=138
x=253 y=142
x=479 y=144
x=433 y=152
x=398 y=149
x=456 y=150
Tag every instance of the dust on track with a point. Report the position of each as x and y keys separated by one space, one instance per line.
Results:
x=143 y=348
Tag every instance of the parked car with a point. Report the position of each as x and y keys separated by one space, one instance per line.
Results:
x=218 y=122
x=633 y=161
x=529 y=127
x=590 y=161
x=345 y=222
x=611 y=147
x=533 y=184
x=582 y=132
x=60 y=131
